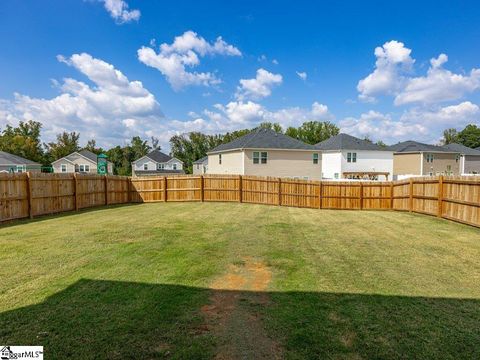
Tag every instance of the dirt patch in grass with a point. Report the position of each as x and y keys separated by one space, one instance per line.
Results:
x=231 y=314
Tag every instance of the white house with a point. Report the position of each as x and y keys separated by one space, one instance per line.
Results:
x=83 y=161
x=200 y=166
x=157 y=163
x=347 y=157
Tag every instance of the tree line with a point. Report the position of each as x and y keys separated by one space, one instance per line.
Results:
x=24 y=140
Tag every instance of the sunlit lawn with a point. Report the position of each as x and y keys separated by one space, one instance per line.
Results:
x=130 y=282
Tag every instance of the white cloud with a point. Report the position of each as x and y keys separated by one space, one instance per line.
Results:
x=259 y=87
x=247 y=114
x=456 y=116
x=113 y=108
x=302 y=75
x=393 y=60
x=378 y=126
x=417 y=123
x=438 y=85
x=118 y=10
x=275 y=62
x=172 y=60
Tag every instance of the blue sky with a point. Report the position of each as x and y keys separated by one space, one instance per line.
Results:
x=376 y=68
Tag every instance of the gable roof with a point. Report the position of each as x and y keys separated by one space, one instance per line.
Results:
x=10 y=159
x=414 y=146
x=462 y=149
x=348 y=142
x=264 y=139
x=202 y=160
x=158 y=156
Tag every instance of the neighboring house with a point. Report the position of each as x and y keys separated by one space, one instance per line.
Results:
x=469 y=158
x=10 y=163
x=264 y=152
x=347 y=157
x=83 y=161
x=200 y=166
x=157 y=163
x=411 y=158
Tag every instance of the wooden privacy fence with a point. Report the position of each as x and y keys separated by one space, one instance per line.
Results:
x=29 y=195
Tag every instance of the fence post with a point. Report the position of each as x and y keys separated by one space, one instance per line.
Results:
x=320 y=195
x=410 y=200
x=165 y=188
x=361 y=196
x=129 y=190
x=75 y=190
x=279 y=191
x=29 y=196
x=240 y=185
x=440 y=196
x=391 y=195
x=201 y=188
x=106 y=189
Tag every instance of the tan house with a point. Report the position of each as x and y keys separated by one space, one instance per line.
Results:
x=83 y=161
x=411 y=158
x=264 y=152
x=469 y=158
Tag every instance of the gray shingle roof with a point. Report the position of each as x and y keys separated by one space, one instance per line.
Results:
x=89 y=155
x=462 y=149
x=348 y=142
x=10 y=159
x=414 y=146
x=159 y=171
x=158 y=156
x=203 y=160
x=264 y=139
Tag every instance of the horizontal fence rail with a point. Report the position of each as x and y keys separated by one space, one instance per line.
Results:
x=34 y=194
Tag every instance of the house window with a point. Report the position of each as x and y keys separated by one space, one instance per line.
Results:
x=263 y=157
x=63 y=168
x=20 y=168
x=429 y=158
x=352 y=157
x=174 y=166
x=256 y=157
x=145 y=166
x=87 y=168
x=457 y=158
x=160 y=166
x=335 y=175
x=315 y=158
x=84 y=168
x=220 y=159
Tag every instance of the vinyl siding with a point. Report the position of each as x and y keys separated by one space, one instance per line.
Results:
x=406 y=164
x=232 y=163
x=285 y=163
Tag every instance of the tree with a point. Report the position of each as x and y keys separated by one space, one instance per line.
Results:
x=23 y=140
x=470 y=136
x=155 y=143
x=139 y=147
x=272 y=126
x=92 y=146
x=449 y=136
x=313 y=132
x=66 y=144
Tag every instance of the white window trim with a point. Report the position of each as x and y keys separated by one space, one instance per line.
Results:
x=63 y=168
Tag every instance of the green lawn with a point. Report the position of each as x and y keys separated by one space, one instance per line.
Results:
x=192 y=280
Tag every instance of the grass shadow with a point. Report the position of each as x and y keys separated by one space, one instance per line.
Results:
x=60 y=215
x=96 y=319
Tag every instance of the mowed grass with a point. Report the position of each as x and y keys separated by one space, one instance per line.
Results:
x=130 y=281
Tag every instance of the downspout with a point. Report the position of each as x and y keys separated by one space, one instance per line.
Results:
x=421 y=163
